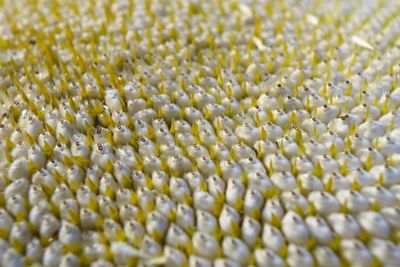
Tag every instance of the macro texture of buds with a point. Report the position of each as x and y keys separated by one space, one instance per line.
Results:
x=199 y=133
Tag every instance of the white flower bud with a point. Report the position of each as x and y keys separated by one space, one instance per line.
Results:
x=34 y=250
x=52 y=254
x=236 y=250
x=379 y=195
x=355 y=252
x=17 y=187
x=319 y=229
x=299 y=256
x=225 y=262
x=295 y=229
x=387 y=252
x=344 y=225
x=272 y=238
x=69 y=260
x=12 y=258
x=18 y=169
x=250 y=231
x=285 y=181
x=185 y=217
x=195 y=261
x=353 y=201
x=174 y=257
x=324 y=256
x=374 y=223
x=204 y=245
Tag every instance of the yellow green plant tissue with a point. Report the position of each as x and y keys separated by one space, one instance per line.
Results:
x=199 y=133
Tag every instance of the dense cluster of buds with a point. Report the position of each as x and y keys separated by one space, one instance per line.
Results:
x=199 y=133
